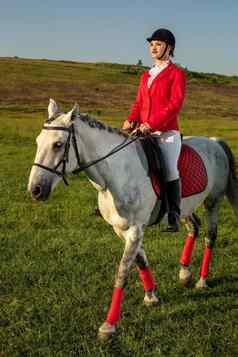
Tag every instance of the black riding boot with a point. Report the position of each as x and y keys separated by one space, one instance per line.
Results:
x=173 y=189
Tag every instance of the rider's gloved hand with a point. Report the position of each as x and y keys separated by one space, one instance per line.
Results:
x=145 y=129
x=129 y=125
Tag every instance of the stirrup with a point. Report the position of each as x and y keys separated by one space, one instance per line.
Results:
x=172 y=228
x=173 y=223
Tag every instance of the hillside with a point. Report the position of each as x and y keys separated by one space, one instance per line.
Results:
x=104 y=89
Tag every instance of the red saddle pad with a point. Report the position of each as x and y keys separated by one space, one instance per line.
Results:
x=192 y=171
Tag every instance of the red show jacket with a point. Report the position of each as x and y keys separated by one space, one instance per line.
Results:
x=160 y=104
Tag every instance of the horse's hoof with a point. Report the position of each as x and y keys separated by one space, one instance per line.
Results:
x=201 y=284
x=185 y=277
x=106 y=331
x=186 y=283
x=151 y=299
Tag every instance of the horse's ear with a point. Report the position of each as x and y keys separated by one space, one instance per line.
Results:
x=74 y=113
x=53 y=109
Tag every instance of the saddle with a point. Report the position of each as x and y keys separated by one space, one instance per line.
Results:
x=193 y=174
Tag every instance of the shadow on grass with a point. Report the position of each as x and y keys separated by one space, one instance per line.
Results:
x=112 y=346
x=193 y=312
x=223 y=287
x=222 y=280
x=200 y=304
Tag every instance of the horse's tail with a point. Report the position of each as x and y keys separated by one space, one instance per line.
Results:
x=232 y=185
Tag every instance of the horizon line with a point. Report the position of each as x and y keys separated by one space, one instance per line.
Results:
x=115 y=63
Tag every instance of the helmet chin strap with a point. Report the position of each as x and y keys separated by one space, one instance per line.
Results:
x=166 y=47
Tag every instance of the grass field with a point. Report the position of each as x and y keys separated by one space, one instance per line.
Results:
x=58 y=261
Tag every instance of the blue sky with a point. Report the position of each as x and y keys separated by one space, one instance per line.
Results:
x=115 y=31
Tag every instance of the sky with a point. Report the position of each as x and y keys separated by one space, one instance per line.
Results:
x=206 y=31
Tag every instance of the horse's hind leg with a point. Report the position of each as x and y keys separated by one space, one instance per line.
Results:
x=212 y=213
x=146 y=276
x=192 y=225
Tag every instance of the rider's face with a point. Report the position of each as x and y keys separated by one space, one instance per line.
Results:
x=157 y=49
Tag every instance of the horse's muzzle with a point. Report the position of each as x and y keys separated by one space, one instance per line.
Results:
x=40 y=192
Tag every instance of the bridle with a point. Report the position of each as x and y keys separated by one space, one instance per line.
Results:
x=65 y=157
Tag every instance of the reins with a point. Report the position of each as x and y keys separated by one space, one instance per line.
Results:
x=115 y=150
x=65 y=157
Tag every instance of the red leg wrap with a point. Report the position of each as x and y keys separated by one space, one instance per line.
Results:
x=206 y=262
x=115 y=309
x=147 y=279
x=187 y=250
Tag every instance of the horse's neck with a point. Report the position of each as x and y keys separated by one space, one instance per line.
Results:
x=94 y=144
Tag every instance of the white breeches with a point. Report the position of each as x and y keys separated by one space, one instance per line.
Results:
x=170 y=145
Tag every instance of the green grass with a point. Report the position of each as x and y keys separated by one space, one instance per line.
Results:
x=58 y=261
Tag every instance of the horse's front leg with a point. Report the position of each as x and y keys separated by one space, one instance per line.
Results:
x=146 y=276
x=145 y=273
x=133 y=239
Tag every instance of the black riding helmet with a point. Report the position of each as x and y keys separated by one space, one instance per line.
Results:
x=165 y=36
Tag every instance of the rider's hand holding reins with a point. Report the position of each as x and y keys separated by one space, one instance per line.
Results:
x=126 y=125
x=145 y=129
x=129 y=125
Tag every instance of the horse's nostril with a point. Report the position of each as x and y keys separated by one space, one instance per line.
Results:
x=36 y=191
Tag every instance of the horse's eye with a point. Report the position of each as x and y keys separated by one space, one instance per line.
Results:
x=58 y=145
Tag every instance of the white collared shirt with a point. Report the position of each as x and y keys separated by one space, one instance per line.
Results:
x=155 y=70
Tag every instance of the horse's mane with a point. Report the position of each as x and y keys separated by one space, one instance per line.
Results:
x=94 y=123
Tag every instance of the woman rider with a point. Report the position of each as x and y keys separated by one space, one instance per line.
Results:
x=158 y=102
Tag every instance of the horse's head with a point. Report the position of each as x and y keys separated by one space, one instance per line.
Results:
x=55 y=155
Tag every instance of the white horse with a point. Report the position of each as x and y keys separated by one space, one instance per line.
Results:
x=126 y=198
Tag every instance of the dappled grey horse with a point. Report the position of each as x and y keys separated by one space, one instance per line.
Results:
x=126 y=198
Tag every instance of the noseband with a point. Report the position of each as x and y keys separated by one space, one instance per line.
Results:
x=65 y=157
